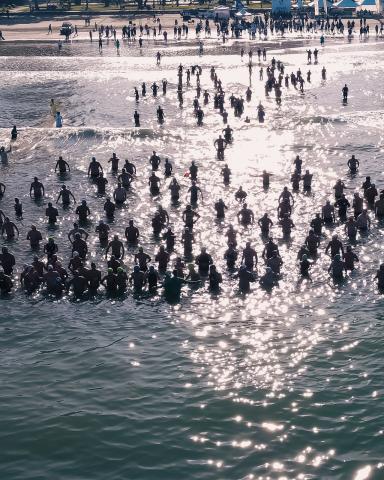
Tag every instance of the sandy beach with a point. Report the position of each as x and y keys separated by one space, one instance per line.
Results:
x=31 y=28
x=221 y=384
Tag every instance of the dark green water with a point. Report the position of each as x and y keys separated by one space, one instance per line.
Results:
x=287 y=385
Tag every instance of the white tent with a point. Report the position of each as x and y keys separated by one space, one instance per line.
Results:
x=222 y=12
x=321 y=4
x=243 y=14
x=367 y=6
x=345 y=5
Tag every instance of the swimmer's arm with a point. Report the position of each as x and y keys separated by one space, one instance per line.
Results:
x=57 y=164
x=58 y=198
x=17 y=230
x=74 y=199
x=69 y=168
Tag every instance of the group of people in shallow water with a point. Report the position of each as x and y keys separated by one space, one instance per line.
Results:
x=150 y=272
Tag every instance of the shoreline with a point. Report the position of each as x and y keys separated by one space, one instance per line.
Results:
x=36 y=31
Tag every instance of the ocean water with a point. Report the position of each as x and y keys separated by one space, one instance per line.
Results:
x=286 y=385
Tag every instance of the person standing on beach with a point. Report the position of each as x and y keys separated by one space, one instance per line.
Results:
x=58 y=120
x=49 y=29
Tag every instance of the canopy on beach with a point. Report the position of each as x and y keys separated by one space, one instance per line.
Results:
x=243 y=14
x=321 y=4
x=346 y=5
x=367 y=5
x=222 y=12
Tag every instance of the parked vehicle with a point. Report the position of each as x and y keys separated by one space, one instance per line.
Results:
x=66 y=29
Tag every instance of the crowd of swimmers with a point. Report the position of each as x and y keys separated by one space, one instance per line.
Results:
x=153 y=271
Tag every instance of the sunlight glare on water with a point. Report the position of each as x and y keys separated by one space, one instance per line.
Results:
x=281 y=385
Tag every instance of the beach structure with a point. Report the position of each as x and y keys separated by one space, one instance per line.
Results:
x=372 y=6
x=281 y=7
x=346 y=5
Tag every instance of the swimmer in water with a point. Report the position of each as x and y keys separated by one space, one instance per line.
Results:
x=4 y=154
x=220 y=145
x=353 y=164
x=65 y=195
x=114 y=161
x=240 y=195
x=94 y=168
x=345 y=91
x=9 y=229
x=14 y=133
x=117 y=248
x=53 y=107
x=37 y=188
x=269 y=279
x=246 y=216
x=62 y=166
